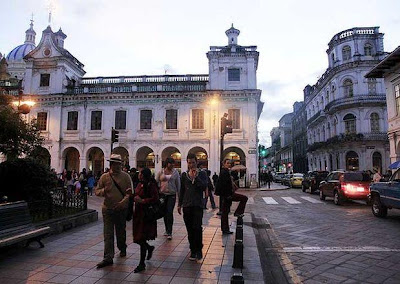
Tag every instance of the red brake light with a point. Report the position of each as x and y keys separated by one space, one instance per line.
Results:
x=350 y=188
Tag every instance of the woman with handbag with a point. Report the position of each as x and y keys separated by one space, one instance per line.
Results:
x=146 y=193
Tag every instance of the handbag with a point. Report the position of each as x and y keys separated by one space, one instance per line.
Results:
x=156 y=210
x=129 y=215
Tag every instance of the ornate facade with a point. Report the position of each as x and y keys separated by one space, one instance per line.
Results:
x=156 y=116
x=346 y=113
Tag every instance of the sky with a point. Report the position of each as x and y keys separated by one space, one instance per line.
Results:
x=132 y=37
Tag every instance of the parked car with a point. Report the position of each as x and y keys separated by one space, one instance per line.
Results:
x=345 y=186
x=296 y=180
x=286 y=179
x=312 y=180
x=385 y=195
x=278 y=177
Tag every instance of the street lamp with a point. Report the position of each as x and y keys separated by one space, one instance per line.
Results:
x=23 y=106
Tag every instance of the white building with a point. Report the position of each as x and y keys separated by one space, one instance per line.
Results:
x=346 y=113
x=389 y=69
x=156 y=116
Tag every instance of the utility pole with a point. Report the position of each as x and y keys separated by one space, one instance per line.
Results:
x=226 y=127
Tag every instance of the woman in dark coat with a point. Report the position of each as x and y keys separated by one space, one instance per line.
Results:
x=145 y=193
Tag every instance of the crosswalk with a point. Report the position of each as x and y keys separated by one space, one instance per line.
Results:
x=291 y=200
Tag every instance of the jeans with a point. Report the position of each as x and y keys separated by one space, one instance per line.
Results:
x=113 y=219
x=210 y=194
x=226 y=206
x=170 y=201
x=193 y=217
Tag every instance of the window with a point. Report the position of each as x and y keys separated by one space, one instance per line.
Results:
x=333 y=58
x=198 y=118
x=397 y=97
x=145 y=118
x=120 y=119
x=349 y=123
x=234 y=74
x=234 y=114
x=72 y=123
x=96 y=120
x=44 y=80
x=346 y=53
x=333 y=92
x=371 y=86
x=327 y=97
x=171 y=119
x=374 y=122
x=42 y=120
x=368 y=49
x=348 y=88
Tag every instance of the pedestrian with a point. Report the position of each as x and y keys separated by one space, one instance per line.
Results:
x=210 y=192
x=116 y=187
x=377 y=176
x=268 y=179
x=169 y=181
x=90 y=183
x=226 y=188
x=193 y=184
x=83 y=179
x=69 y=182
x=215 y=179
x=143 y=230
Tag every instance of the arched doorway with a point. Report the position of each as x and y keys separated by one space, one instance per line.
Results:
x=377 y=161
x=95 y=158
x=72 y=157
x=42 y=155
x=145 y=158
x=236 y=154
x=124 y=155
x=352 y=162
x=172 y=152
x=201 y=155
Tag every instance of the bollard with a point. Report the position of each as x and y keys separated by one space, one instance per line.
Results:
x=237 y=278
x=238 y=255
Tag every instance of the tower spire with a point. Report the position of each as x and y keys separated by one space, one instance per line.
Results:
x=30 y=33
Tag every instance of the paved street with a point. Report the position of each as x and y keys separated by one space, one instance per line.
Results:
x=319 y=242
x=71 y=257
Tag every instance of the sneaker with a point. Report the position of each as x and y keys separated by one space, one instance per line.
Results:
x=199 y=255
x=165 y=234
x=104 y=263
x=139 y=268
x=169 y=237
x=193 y=256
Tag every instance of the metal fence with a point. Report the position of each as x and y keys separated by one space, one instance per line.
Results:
x=60 y=203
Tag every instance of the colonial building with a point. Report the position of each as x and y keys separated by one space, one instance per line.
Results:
x=299 y=136
x=346 y=112
x=281 y=149
x=389 y=69
x=156 y=116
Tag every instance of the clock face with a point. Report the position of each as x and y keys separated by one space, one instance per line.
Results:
x=47 y=51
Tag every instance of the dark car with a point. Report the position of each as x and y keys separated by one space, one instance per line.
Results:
x=385 y=195
x=344 y=186
x=278 y=177
x=286 y=179
x=312 y=180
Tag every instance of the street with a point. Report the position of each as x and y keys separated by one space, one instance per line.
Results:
x=319 y=242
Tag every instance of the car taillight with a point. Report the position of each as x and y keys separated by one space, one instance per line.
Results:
x=351 y=188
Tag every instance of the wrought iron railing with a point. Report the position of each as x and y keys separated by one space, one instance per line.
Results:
x=60 y=203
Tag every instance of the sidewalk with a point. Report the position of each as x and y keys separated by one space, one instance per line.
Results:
x=274 y=186
x=71 y=257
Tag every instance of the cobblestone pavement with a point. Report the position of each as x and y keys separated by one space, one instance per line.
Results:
x=319 y=242
x=71 y=257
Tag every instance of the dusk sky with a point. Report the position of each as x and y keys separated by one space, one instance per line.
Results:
x=122 y=37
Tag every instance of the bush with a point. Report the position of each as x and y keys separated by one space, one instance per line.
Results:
x=26 y=179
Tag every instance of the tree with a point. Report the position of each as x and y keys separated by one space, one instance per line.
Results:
x=16 y=135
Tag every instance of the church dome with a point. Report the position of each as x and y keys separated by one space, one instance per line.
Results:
x=20 y=51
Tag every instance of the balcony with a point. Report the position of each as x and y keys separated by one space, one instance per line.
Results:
x=356 y=101
x=344 y=138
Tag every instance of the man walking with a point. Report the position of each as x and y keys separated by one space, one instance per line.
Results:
x=226 y=188
x=116 y=187
x=193 y=185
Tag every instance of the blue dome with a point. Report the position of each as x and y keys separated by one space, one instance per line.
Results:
x=20 y=51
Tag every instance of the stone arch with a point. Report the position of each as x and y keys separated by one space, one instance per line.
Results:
x=71 y=156
x=124 y=154
x=352 y=161
x=377 y=161
x=95 y=160
x=236 y=154
x=145 y=158
x=174 y=153
x=201 y=155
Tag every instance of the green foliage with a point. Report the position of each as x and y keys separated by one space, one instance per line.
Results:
x=16 y=135
x=26 y=179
